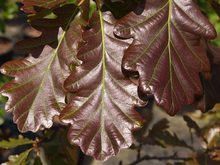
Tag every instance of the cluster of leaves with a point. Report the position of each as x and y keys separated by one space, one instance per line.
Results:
x=12 y=143
x=80 y=68
x=41 y=149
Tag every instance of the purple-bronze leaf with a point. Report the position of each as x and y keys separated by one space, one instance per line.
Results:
x=49 y=29
x=36 y=94
x=102 y=109
x=167 y=52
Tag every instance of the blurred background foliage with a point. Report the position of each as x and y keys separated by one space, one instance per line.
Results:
x=8 y=10
x=196 y=143
x=212 y=14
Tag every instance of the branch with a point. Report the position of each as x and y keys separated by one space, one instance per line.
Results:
x=147 y=157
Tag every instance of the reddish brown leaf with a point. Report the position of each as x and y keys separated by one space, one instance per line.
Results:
x=36 y=94
x=102 y=111
x=50 y=29
x=30 y=4
x=166 y=51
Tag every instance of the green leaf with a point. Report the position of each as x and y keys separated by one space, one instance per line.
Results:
x=2 y=114
x=18 y=159
x=12 y=143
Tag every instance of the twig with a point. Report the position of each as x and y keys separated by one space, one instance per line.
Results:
x=147 y=157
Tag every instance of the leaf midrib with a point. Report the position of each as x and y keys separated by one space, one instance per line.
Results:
x=103 y=75
x=169 y=51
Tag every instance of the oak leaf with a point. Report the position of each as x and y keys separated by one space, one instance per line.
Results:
x=102 y=109
x=167 y=53
x=36 y=94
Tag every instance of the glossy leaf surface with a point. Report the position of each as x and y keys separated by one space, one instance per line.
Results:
x=36 y=94
x=166 y=51
x=102 y=109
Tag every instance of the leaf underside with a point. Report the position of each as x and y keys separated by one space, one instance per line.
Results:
x=167 y=53
x=36 y=94
x=102 y=109
x=164 y=50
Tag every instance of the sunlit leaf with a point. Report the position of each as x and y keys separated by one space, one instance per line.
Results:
x=36 y=94
x=102 y=110
x=167 y=53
